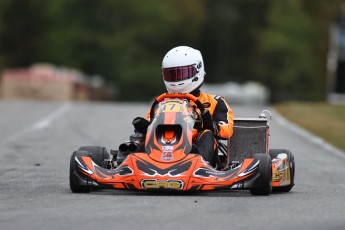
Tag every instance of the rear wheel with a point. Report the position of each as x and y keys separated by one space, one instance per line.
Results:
x=265 y=171
x=274 y=153
x=77 y=182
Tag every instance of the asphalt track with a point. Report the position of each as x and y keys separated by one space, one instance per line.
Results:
x=37 y=139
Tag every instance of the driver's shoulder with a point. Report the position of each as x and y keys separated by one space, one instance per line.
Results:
x=209 y=97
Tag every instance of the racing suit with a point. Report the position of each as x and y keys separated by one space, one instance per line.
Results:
x=222 y=115
x=223 y=122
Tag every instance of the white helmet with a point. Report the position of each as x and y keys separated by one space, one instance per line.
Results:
x=183 y=70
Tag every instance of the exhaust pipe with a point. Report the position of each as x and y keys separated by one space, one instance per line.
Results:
x=128 y=147
x=125 y=149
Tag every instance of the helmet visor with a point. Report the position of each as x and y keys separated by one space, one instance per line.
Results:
x=179 y=73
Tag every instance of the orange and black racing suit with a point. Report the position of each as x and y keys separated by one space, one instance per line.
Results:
x=223 y=122
x=221 y=112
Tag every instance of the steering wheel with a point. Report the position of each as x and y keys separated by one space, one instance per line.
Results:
x=190 y=97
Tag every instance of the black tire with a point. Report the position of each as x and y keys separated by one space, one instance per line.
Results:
x=98 y=153
x=265 y=180
x=274 y=153
x=78 y=183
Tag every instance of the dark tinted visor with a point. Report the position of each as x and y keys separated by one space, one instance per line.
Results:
x=179 y=73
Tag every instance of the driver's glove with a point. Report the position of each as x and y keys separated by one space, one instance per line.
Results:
x=140 y=124
x=207 y=120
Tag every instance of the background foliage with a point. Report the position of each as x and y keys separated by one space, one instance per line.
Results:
x=282 y=44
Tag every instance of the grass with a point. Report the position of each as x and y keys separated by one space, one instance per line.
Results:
x=324 y=120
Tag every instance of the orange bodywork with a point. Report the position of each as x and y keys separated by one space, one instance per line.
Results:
x=140 y=172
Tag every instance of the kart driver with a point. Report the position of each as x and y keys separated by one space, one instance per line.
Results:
x=183 y=72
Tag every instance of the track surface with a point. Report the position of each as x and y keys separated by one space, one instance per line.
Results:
x=37 y=139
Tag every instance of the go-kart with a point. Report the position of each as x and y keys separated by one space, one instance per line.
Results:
x=167 y=160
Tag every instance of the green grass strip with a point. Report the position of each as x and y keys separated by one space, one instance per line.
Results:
x=324 y=120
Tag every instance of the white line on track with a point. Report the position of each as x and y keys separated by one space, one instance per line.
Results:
x=39 y=125
x=308 y=135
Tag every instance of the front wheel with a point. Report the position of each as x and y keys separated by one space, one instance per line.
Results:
x=78 y=183
x=264 y=187
x=98 y=153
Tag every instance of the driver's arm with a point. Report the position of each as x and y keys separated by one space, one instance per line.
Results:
x=223 y=117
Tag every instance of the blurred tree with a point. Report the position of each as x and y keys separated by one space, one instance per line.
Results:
x=122 y=40
x=22 y=31
x=230 y=36
x=322 y=14
x=280 y=43
x=286 y=65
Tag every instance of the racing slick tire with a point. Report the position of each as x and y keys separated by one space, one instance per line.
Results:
x=77 y=182
x=265 y=179
x=98 y=153
x=274 y=153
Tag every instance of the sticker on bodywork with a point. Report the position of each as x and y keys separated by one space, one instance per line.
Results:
x=162 y=184
x=167 y=153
